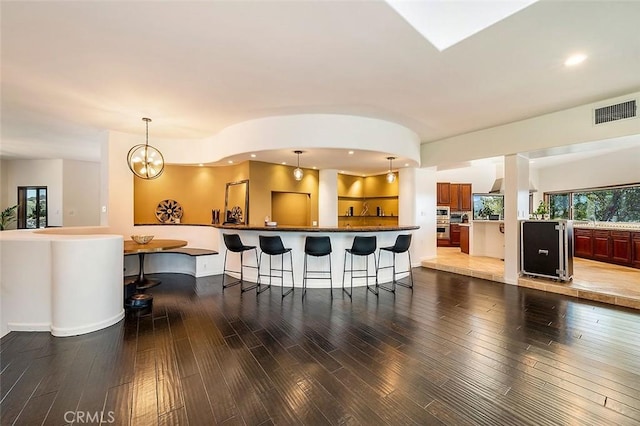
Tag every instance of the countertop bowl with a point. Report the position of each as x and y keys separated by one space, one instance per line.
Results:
x=142 y=239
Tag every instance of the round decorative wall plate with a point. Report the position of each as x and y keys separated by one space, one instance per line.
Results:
x=169 y=211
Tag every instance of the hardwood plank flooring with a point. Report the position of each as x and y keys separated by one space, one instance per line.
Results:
x=456 y=350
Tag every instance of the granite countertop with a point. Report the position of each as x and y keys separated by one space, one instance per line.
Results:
x=633 y=227
x=318 y=229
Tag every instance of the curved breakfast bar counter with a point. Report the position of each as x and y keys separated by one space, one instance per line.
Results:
x=341 y=238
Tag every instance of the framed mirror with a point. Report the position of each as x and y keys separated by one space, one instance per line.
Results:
x=236 y=203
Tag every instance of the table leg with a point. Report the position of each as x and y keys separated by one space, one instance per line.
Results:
x=143 y=283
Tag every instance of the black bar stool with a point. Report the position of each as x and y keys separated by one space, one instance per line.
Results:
x=362 y=246
x=272 y=246
x=316 y=247
x=234 y=245
x=402 y=244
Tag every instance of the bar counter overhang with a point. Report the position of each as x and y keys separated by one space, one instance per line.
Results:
x=341 y=238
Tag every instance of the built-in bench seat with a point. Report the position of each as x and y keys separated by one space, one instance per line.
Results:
x=195 y=261
x=191 y=251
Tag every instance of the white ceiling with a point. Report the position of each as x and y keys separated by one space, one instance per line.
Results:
x=73 y=70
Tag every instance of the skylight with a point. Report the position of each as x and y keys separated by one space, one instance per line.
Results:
x=445 y=23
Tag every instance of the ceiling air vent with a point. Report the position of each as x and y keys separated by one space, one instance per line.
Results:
x=615 y=112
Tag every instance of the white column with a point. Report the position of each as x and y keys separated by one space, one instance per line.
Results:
x=516 y=207
x=328 y=198
x=417 y=204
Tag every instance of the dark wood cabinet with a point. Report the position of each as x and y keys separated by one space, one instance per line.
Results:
x=601 y=245
x=611 y=246
x=454 y=197
x=635 y=249
x=459 y=196
x=444 y=193
x=464 y=239
x=454 y=238
x=621 y=247
x=465 y=197
x=583 y=243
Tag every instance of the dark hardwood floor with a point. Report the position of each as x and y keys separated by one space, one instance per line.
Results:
x=457 y=350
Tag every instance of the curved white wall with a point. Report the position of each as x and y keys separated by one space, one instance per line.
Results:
x=68 y=281
x=316 y=130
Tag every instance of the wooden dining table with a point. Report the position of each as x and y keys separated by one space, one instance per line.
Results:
x=140 y=298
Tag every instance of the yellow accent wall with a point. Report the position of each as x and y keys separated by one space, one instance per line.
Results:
x=375 y=191
x=267 y=177
x=201 y=189
x=197 y=189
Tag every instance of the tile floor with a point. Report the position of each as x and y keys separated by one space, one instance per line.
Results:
x=603 y=282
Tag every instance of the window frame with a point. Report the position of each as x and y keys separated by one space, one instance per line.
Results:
x=571 y=192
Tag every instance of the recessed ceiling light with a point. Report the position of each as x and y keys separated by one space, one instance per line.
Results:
x=284 y=163
x=200 y=164
x=314 y=167
x=350 y=152
x=575 y=60
x=342 y=171
x=230 y=161
x=406 y=164
x=253 y=156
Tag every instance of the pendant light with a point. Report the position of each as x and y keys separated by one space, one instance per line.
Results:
x=391 y=177
x=145 y=161
x=298 y=173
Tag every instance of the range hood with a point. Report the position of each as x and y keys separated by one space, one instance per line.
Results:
x=498 y=187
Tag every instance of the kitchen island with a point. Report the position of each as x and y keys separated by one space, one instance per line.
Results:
x=486 y=238
x=341 y=238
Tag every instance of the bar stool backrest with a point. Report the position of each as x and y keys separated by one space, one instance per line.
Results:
x=233 y=242
x=272 y=244
x=317 y=246
x=363 y=246
x=403 y=242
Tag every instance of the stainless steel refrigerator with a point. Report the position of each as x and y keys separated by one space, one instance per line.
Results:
x=546 y=248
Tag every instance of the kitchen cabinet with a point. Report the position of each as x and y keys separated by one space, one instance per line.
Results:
x=464 y=239
x=460 y=197
x=444 y=193
x=621 y=247
x=635 y=249
x=583 y=243
x=601 y=246
x=454 y=232
x=611 y=246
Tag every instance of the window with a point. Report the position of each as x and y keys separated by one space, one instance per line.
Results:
x=32 y=207
x=613 y=204
x=560 y=205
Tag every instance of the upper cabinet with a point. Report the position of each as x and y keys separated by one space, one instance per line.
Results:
x=444 y=193
x=455 y=195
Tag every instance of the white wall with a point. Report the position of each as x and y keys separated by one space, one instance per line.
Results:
x=614 y=168
x=481 y=175
x=81 y=193
x=556 y=129
x=73 y=188
x=4 y=197
x=38 y=173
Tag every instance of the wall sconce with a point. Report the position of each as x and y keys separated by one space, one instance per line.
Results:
x=145 y=161
x=391 y=177
x=298 y=173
